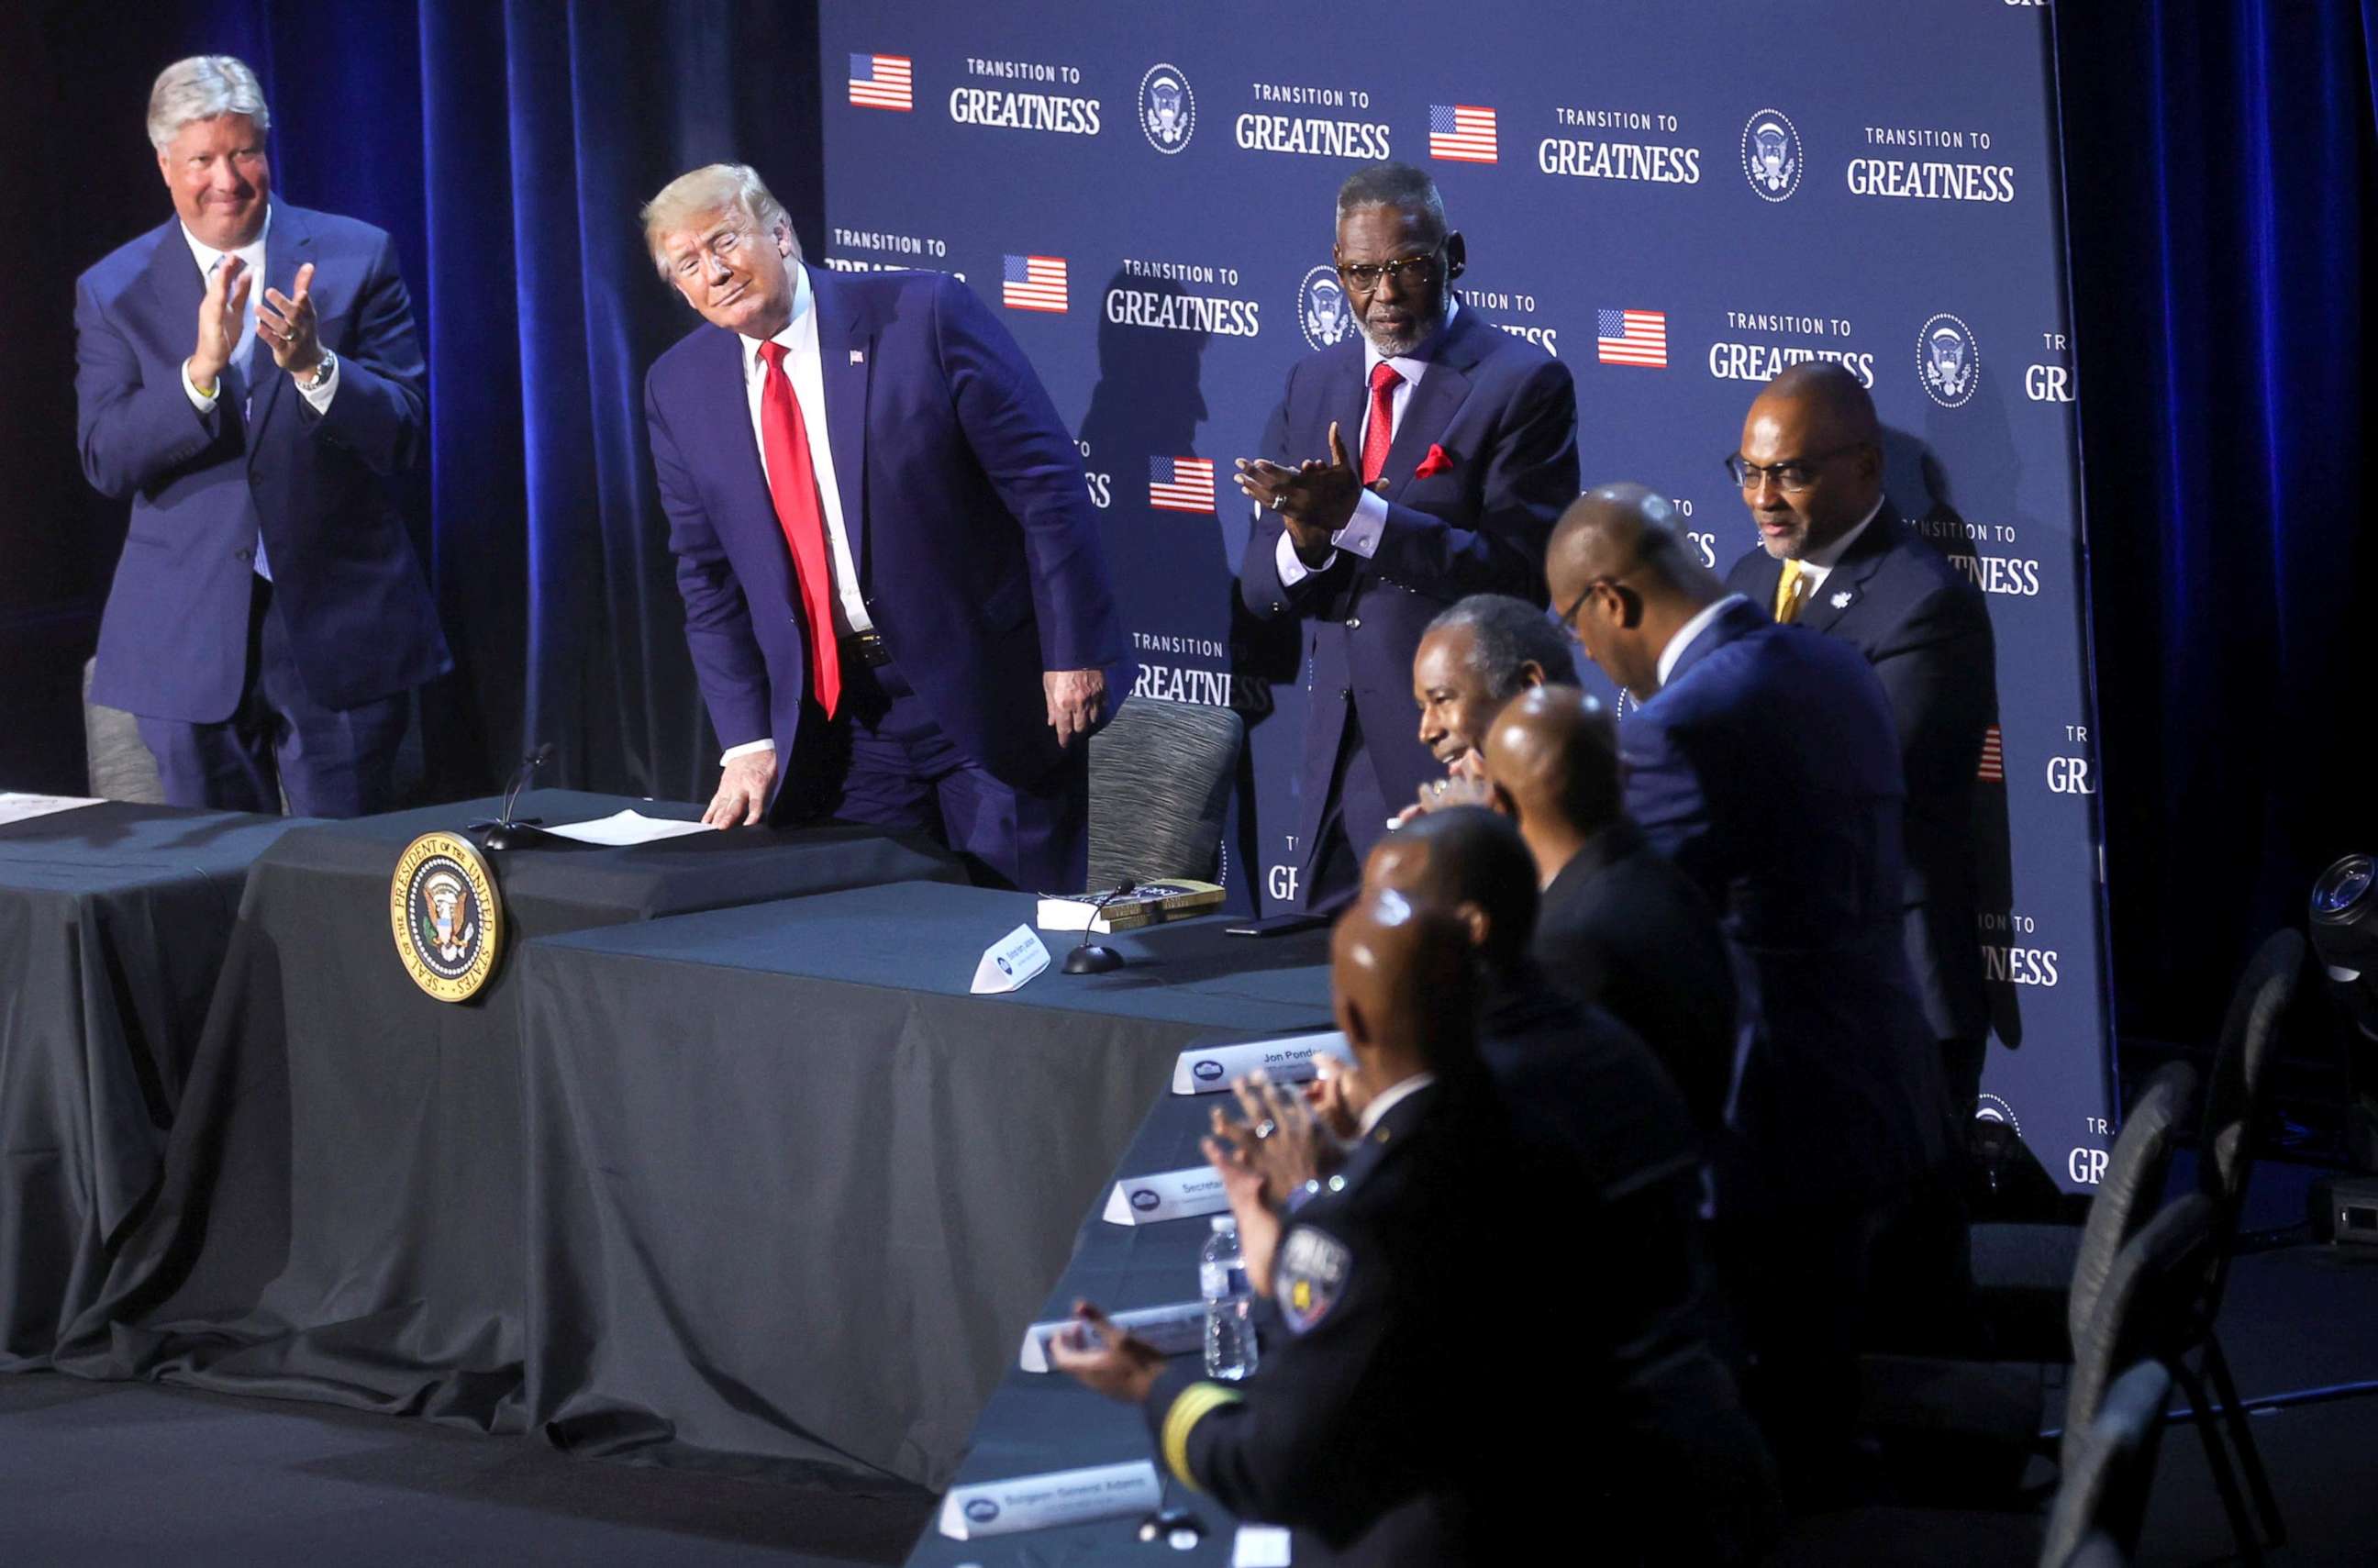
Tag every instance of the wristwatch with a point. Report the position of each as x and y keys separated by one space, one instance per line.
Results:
x=329 y=363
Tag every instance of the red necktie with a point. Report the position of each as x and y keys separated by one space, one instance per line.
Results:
x=792 y=483
x=1380 y=433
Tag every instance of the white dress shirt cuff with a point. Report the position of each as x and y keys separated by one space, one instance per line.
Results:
x=203 y=402
x=1361 y=533
x=746 y=749
x=324 y=389
x=1292 y=569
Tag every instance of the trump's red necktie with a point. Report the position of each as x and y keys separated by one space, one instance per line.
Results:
x=792 y=485
x=1380 y=433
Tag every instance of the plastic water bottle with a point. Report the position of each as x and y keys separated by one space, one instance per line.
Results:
x=1230 y=1303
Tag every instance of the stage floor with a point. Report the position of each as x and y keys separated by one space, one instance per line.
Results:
x=102 y=1474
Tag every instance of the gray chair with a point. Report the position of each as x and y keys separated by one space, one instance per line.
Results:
x=1160 y=777
x=121 y=767
x=2236 y=1096
x=2038 y=1283
x=2106 y=1483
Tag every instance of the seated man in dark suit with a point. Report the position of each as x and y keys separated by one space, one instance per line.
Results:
x=1620 y=926
x=1764 y=764
x=1692 y=1478
x=1365 y=1428
x=1473 y=659
x=1835 y=555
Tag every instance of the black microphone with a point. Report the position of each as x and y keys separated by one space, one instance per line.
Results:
x=529 y=764
x=506 y=832
x=1087 y=958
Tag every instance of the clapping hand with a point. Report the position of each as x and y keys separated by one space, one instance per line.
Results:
x=288 y=327
x=1314 y=500
x=220 y=310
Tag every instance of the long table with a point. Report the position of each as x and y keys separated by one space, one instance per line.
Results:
x=341 y=1215
x=1036 y=1423
x=113 y=920
x=794 y=1193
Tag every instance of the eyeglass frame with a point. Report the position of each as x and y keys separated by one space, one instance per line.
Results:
x=1773 y=470
x=1417 y=271
x=1607 y=580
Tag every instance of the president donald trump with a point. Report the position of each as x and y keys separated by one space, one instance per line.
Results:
x=896 y=595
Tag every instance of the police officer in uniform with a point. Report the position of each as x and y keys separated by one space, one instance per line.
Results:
x=1372 y=1427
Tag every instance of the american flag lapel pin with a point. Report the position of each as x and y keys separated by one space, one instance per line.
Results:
x=858 y=356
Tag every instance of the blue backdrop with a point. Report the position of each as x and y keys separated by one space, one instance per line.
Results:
x=1851 y=198
x=2220 y=170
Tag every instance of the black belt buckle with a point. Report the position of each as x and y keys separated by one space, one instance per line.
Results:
x=869 y=648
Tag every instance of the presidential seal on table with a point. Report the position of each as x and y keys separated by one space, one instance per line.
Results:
x=448 y=918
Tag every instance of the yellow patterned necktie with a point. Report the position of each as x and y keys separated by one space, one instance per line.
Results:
x=1787 y=595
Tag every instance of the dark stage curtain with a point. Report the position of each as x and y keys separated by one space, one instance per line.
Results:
x=2219 y=170
x=508 y=147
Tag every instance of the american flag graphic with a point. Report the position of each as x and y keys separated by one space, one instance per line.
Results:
x=1462 y=132
x=880 y=81
x=1181 y=484
x=1033 y=283
x=1993 y=769
x=1632 y=337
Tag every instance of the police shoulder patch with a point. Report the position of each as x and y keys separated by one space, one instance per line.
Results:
x=1310 y=1276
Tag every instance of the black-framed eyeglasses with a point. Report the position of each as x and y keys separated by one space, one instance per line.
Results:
x=1791 y=476
x=1412 y=271
x=1569 y=616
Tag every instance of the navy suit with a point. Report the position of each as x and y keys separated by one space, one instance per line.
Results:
x=1923 y=626
x=350 y=624
x=1505 y=414
x=1767 y=769
x=970 y=527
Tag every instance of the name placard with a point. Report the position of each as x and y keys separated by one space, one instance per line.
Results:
x=1288 y=1059
x=1009 y=962
x=1173 y=1329
x=1061 y=1497
x=1166 y=1195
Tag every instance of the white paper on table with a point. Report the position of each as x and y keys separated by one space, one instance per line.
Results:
x=629 y=828
x=18 y=807
x=1260 y=1546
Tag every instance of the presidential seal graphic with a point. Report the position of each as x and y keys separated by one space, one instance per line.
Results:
x=1994 y=1109
x=1949 y=360
x=448 y=921
x=1168 y=110
x=1771 y=155
x=1321 y=309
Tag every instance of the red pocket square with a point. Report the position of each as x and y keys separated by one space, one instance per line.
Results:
x=1435 y=463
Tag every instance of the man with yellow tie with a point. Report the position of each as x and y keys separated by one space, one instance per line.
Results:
x=1834 y=555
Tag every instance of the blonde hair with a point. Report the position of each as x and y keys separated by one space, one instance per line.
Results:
x=203 y=87
x=713 y=187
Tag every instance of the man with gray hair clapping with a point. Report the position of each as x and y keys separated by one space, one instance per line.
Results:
x=269 y=618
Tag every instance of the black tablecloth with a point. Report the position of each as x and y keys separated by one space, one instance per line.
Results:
x=113 y=924
x=795 y=1194
x=341 y=1212
x=1037 y=1422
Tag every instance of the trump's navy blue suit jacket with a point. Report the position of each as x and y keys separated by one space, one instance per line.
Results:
x=347 y=585
x=1767 y=769
x=1505 y=414
x=970 y=522
x=1923 y=626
